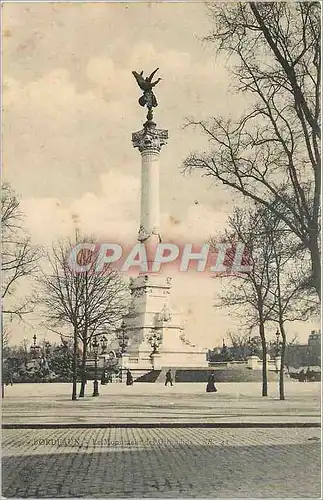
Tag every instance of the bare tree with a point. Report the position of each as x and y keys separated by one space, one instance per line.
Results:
x=90 y=302
x=294 y=340
x=19 y=258
x=5 y=338
x=271 y=152
x=248 y=294
x=273 y=290
x=238 y=340
x=19 y=261
x=289 y=300
x=240 y=344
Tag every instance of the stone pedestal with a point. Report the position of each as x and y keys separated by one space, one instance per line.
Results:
x=102 y=360
x=150 y=312
x=156 y=361
x=124 y=360
x=253 y=362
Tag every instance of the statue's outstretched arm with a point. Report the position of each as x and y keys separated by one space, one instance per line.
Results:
x=155 y=83
x=140 y=79
x=152 y=75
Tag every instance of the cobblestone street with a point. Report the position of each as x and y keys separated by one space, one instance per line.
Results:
x=174 y=463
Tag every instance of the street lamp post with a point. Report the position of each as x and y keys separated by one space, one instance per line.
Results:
x=277 y=343
x=34 y=348
x=123 y=338
x=95 y=348
x=66 y=360
x=155 y=341
x=104 y=344
x=123 y=344
x=224 y=351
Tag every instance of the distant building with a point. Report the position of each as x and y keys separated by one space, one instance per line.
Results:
x=314 y=338
x=305 y=354
x=296 y=355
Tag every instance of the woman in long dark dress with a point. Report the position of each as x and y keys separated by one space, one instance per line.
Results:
x=211 y=384
x=129 y=380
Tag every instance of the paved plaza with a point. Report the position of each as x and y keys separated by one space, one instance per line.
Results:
x=161 y=463
x=155 y=404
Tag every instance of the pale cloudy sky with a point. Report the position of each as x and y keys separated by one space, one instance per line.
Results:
x=70 y=107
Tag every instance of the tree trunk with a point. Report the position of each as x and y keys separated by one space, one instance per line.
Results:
x=316 y=265
x=2 y=370
x=74 y=388
x=264 y=358
x=282 y=362
x=83 y=370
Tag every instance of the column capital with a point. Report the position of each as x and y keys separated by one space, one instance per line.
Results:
x=150 y=139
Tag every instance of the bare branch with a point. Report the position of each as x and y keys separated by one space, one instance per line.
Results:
x=271 y=153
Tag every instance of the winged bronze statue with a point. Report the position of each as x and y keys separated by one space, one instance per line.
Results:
x=146 y=84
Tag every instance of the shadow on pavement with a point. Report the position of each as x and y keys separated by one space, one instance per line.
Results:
x=171 y=470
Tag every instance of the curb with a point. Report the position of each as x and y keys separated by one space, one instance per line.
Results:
x=183 y=425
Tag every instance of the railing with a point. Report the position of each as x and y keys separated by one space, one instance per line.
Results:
x=226 y=363
x=271 y=364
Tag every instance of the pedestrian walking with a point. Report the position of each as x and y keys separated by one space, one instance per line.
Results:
x=9 y=379
x=211 y=383
x=104 y=377
x=169 y=378
x=129 y=379
x=310 y=376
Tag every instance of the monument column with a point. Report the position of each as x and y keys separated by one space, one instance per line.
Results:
x=149 y=141
x=150 y=308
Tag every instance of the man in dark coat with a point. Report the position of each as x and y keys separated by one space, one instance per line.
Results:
x=129 y=380
x=169 y=378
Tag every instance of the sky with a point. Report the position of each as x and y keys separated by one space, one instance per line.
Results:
x=70 y=107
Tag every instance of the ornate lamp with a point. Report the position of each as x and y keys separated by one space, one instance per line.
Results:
x=123 y=338
x=104 y=344
x=95 y=348
x=154 y=340
x=34 y=349
x=277 y=342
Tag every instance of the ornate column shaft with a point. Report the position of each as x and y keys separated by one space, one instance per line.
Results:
x=149 y=141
